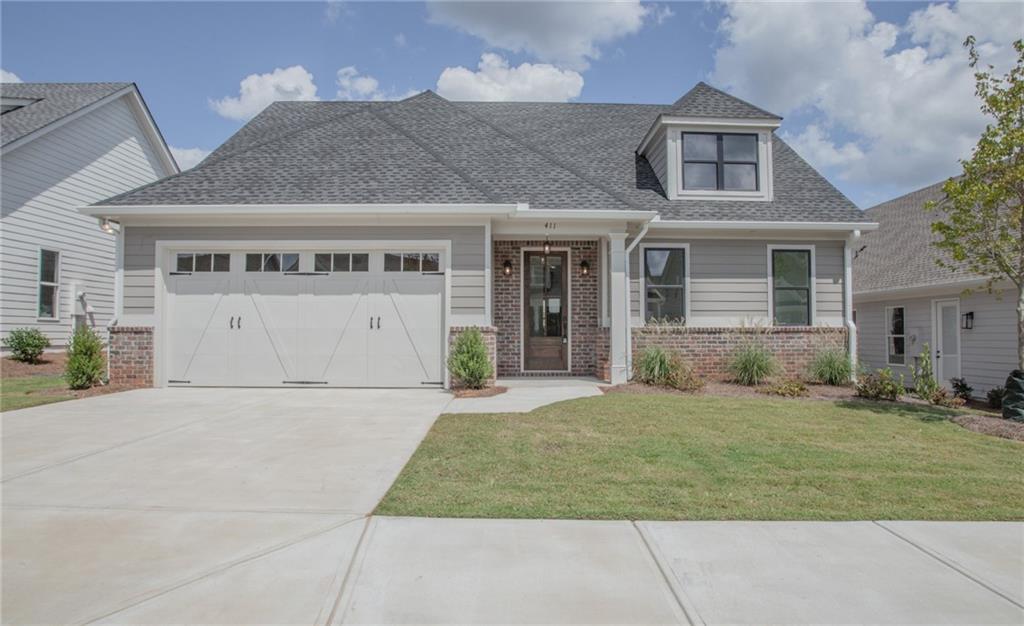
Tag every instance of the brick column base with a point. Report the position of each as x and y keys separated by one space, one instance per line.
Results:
x=490 y=335
x=131 y=356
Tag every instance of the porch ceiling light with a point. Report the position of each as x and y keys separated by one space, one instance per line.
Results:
x=585 y=268
x=506 y=268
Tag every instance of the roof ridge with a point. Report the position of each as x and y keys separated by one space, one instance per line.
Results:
x=439 y=158
x=531 y=146
x=701 y=83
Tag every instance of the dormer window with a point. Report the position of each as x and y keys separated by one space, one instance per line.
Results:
x=720 y=162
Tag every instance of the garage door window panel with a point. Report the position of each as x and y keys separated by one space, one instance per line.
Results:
x=272 y=262
x=203 y=262
x=412 y=262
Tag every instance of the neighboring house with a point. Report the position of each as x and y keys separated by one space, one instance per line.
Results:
x=344 y=243
x=905 y=300
x=65 y=145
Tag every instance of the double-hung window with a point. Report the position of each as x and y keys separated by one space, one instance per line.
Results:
x=49 y=285
x=720 y=162
x=665 y=284
x=895 y=336
x=792 y=277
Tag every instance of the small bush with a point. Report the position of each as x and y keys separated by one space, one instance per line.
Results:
x=942 y=397
x=752 y=364
x=880 y=385
x=85 y=366
x=658 y=367
x=925 y=384
x=26 y=344
x=961 y=389
x=788 y=388
x=995 y=397
x=831 y=367
x=468 y=361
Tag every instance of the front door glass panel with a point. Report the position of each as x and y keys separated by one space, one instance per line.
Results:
x=546 y=296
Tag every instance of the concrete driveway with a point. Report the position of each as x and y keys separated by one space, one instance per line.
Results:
x=118 y=507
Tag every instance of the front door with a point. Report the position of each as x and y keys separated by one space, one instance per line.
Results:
x=545 y=312
x=947 y=341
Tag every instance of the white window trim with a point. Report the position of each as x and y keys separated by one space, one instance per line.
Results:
x=674 y=145
x=686 y=278
x=886 y=335
x=40 y=283
x=771 y=282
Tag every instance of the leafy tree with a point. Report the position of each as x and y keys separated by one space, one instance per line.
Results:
x=982 y=229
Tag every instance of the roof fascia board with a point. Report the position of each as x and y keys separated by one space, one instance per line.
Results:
x=732 y=123
x=285 y=210
x=954 y=287
x=773 y=226
x=152 y=131
x=70 y=117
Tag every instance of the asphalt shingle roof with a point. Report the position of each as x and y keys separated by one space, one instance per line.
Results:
x=53 y=101
x=706 y=101
x=899 y=254
x=426 y=149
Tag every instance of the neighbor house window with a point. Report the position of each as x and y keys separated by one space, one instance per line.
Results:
x=203 y=262
x=49 y=281
x=791 y=287
x=341 y=262
x=272 y=262
x=665 y=284
x=895 y=336
x=412 y=262
x=720 y=162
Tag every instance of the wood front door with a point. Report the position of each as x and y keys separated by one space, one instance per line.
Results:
x=545 y=312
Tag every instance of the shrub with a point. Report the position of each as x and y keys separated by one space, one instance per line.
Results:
x=26 y=344
x=880 y=385
x=925 y=384
x=995 y=397
x=658 y=367
x=792 y=388
x=468 y=361
x=942 y=397
x=831 y=366
x=752 y=364
x=961 y=389
x=85 y=364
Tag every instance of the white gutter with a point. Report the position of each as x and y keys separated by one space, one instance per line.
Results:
x=851 y=327
x=286 y=210
x=629 y=311
x=743 y=225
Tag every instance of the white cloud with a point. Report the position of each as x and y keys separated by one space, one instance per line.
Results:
x=910 y=111
x=400 y=40
x=495 y=80
x=187 y=158
x=569 y=34
x=256 y=91
x=336 y=9
x=8 y=77
x=355 y=86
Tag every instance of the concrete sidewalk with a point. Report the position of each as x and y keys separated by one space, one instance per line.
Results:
x=527 y=394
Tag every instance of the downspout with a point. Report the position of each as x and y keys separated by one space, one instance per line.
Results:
x=851 y=327
x=629 y=311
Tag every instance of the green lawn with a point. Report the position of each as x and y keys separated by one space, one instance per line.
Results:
x=661 y=457
x=20 y=393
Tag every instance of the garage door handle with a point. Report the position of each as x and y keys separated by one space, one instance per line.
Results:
x=232 y=322
x=239 y=322
x=378 y=322
x=371 y=322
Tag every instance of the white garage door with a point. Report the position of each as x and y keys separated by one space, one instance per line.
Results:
x=290 y=319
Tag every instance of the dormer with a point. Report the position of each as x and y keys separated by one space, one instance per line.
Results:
x=712 y=146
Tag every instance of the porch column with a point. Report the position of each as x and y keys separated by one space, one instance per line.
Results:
x=619 y=313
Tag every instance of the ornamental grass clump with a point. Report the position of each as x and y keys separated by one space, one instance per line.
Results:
x=468 y=363
x=663 y=369
x=753 y=364
x=831 y=366
x=85 y=364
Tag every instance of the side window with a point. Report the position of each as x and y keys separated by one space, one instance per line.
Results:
x=791 y=287
x=341 y=262
x=272 y=262
x=203 y=262
x=665 y=284
x=895 y=336
x=49 y=284
x=412 y=262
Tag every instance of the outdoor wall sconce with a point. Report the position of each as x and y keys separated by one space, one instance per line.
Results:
x=967 y=320
x=584 y=268
x=506 y=268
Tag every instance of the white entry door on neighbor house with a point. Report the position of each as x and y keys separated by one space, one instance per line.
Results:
x=343 y=319
x=946 y=334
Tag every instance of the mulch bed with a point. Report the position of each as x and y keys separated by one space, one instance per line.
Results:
x=52 y=364
x=995 y=426
x=732 y=390
x=486 y=392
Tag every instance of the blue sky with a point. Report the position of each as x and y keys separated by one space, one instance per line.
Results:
x=859 y=85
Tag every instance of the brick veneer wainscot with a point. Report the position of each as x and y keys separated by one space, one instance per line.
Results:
x=489 y=334
x=708 y=350
x=584 y=301
x=131 y=356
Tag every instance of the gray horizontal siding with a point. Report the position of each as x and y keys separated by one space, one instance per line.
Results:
x=729 y=281
x=91 y=158
x=468 y=292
